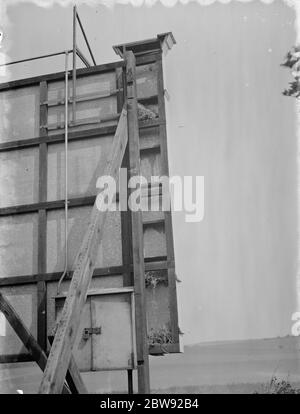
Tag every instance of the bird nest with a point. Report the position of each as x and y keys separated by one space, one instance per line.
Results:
x=145 y=114
x=156 y=277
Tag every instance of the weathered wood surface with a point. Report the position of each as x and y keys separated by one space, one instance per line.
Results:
x=73 y=377
x=137 y=232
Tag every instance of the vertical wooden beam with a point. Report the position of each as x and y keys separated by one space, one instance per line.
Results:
x=42 y=221
x=130 y=381
x=125 y=215
x=137 y=232
x=167 y=214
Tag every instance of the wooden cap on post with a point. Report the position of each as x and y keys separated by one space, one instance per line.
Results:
x=162 y=42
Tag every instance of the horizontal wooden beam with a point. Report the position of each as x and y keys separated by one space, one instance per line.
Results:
x=59 y=204
x=86 y=97
x=154 y=222
x=103 y=292
x=155 y=350
x=82 y=122
x=73 y=136
x=108 y=67
x=153 y=263
x=148 y=58
x=153 y=99
x=56 y=138
x=54 y=277
x=13 y=358
x=151 y=123
x=47 y=205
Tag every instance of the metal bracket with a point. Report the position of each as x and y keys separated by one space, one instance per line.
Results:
x=87 y=332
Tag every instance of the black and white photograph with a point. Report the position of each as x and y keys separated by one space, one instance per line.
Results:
x=149 y=199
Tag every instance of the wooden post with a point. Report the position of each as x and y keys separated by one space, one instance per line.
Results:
x=137 y=231
x=42 y=221
x=130 y=382
x=125 y=215
x=167 y=214
x=84 y=265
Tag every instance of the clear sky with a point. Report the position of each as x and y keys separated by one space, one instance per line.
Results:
x=228 y=122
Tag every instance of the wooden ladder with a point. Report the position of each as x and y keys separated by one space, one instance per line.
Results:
x=67 y=327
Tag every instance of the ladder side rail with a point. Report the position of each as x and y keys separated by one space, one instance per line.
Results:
x=84 y=265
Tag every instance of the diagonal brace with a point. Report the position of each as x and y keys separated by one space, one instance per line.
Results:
x=76 y=386
x=67 y=327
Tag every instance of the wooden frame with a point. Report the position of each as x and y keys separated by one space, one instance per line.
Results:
x=60 y=76
x=137 y=237
x=43 y=206
x=73 y=136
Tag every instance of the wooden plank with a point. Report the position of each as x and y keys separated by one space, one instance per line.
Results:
x=54 y=139
x=85 y=121
x=155 y=350
x=147 y=58
x=73 y=377
x=125 y=215
x=13 y=358
x=153 y=263
x=86 y=97
x=137 y=232
x=47 y=205
x=108 y=67
x=168 y=214
x=151 y=99
x=56 y=204
x=25 y=335
x=106 y=291
x=42 y=224
x=68 y=324
x=73 y=136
